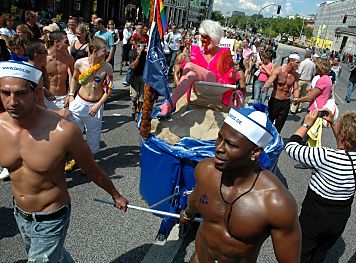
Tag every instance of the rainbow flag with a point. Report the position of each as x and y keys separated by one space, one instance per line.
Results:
x=161 y=19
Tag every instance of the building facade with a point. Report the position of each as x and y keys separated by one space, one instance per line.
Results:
x=329 y=17
x=184 y=13
x=237 y=13
x=188 y=13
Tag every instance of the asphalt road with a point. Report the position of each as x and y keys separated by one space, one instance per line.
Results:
x=100 y=233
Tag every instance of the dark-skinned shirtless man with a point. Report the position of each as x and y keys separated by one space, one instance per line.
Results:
x=285 y=82
x=35 y=144
x=240 y=203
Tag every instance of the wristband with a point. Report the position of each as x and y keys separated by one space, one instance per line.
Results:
x=71 y=94
x=306 y=126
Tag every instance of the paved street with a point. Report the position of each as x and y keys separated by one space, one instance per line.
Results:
x=100 y=233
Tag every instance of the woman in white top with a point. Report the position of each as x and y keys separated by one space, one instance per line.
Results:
x=126 y=46
x=6 y=24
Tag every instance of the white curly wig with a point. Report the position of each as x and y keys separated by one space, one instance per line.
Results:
x=213 y=29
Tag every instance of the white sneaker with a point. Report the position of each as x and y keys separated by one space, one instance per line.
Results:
x=4 y=173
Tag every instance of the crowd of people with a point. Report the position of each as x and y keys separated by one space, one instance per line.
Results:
x=55 y=81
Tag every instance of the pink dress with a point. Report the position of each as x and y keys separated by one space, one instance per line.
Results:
x=221 y=64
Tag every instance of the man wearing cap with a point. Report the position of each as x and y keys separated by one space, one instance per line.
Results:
x=307 y=72
x=34 y=146
x=240 y=203
x=285 y=82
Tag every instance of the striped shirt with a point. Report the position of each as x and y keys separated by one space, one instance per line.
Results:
x=332 y=171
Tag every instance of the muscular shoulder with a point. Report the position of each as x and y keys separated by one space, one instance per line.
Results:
x=204 y=169
x=280 y=205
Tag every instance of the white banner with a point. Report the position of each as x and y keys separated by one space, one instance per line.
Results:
x=227 y=42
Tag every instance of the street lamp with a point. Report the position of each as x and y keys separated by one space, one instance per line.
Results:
x=278 y=11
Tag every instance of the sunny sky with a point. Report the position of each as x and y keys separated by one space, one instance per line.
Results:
x=304 y=7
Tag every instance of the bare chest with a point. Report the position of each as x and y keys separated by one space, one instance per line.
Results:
x=242 y=221
x=55 y=67
x=36 y=151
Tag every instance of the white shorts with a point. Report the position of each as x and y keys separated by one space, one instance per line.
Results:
x=80 y=108
x=57 y=104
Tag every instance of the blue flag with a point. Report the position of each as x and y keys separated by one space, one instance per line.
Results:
x=155 y=72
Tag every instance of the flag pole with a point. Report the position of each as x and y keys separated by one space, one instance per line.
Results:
x=149 y=94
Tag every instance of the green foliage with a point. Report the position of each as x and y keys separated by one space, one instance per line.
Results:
x=272 y=26
x=218 y=16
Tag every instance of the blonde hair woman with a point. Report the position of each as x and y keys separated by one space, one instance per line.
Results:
x=23 y=31
x=79 y=48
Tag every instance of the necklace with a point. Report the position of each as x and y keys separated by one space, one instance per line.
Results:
x=237 y=198
x=83 y=77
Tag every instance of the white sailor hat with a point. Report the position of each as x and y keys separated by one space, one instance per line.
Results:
x=295 y=56
x=20 y=69
x=254 y=125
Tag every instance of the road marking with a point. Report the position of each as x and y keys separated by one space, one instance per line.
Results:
x=340 y=99
x=164 y=251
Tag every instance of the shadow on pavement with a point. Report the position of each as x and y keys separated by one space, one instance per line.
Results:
x=118 y=157
x=188 y=239
x=8 y=226
x=134 y=255
x=112 y=122
x=108 y=159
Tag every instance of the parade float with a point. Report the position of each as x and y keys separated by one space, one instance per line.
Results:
x=172 y=146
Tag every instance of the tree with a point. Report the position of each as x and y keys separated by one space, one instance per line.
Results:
x=218 y=16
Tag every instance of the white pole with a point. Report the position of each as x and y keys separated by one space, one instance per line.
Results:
x=148 y=210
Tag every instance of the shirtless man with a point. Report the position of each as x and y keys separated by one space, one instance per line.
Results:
x=34 y=146
x=60 y=65
x=240 y=203
x=92 y=73
x=285 y=82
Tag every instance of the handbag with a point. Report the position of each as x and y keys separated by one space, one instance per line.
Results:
x=257 y=72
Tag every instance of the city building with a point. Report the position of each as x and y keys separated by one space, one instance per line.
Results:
x=237 y=13
x=183 y=13
x=329 y=30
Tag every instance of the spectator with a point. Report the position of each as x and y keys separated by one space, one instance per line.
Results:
x=115 y=33
x=307 y=72
x=327 y=204
x=71 y=29
x=352 y=83
x=108 y=37
x=30 y=21
x=79 y=48
x=6 y=24
x=137 y=57
x=23 y=31
x=174 y=41
x=265 y=72
x=126 y=45
x=318 y=96
x=4 y=52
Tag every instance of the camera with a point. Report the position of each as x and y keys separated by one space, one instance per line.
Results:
x=323 y=113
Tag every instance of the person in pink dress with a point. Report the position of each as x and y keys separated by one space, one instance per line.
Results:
x=208 y=63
